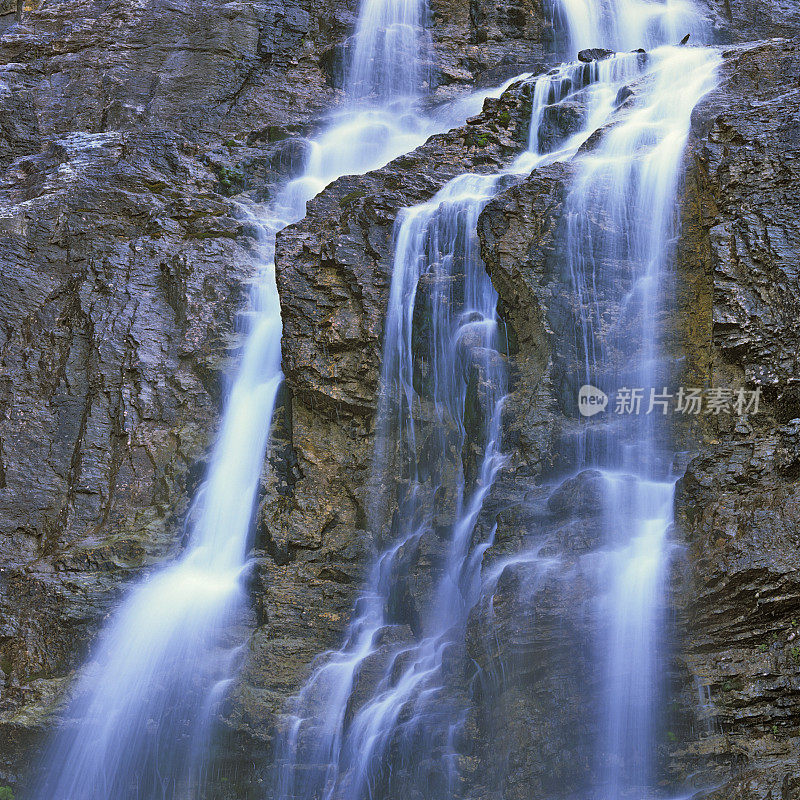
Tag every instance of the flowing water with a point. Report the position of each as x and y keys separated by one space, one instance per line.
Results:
x=375 y=718
x=437 y=455
x=619 y=271
x=625 y=25
x=139 y=723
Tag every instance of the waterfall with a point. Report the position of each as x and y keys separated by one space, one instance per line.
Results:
x=436 y=458
x=625 y=25
x=620 y=233
x=375 y=717
x=140 y=718
x=435 y=241
x=389 y=52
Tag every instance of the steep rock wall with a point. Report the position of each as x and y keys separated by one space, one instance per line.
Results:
x=334 y=270
x=124 y=129
x=738 y=503
x=122 y=273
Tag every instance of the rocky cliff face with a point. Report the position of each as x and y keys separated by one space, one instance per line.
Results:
x=123 y=270
x=752 y=20
x=124 y=129
x=136 y=139
x=334 y=271
x=738 y=503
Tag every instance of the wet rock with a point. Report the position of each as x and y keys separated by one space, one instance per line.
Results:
x=520 y=636
x=487 y=42
x=205 y=69
x=523 y=264
x=333 y=267
x=594 y=54
x=622 y=95
x=737 y=503
x=752 y=20
x=123 y=270
x=417 y=572
x=580 y=495
x=386 y=659
x=559 y=122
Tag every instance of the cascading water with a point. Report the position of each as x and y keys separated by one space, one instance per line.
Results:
x=624 y=25
x=434 y=240
x=389 y=52
x=434 y=466
x=437 y=455
x=618 y=270
x=141 y=717
x=142 y=713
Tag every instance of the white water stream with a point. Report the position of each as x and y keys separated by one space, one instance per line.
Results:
x=141 y=718
x=625 y=263
x=143 y=708
x=399 y=739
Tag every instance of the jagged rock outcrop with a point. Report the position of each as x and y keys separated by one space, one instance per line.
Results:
x=488 y=41
x=334 y=335
x=753 y=20
x=334 y=271
x=210 y=70
x=738 y=502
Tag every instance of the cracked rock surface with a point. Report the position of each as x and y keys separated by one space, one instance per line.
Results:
x=137 y=138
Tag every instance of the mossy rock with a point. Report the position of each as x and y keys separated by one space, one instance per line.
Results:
x=351 y=197
x=232 y=181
